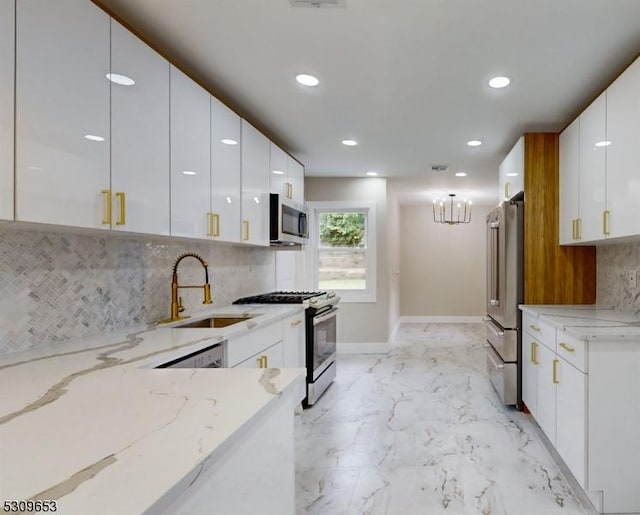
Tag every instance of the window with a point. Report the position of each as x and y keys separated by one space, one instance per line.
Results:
x=343 y=249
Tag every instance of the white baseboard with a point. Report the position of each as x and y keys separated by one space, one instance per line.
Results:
x=441 y=320
x=364 y=348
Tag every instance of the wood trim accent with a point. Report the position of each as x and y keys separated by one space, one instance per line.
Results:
x=553 y=274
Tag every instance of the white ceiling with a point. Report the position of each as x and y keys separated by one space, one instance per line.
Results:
x=406 y=78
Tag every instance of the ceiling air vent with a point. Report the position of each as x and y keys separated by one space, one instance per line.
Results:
x=318 y=3
x=439 y=168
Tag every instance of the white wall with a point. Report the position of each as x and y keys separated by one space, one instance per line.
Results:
x=360 y=322
x=442 y=267
x=393 y=251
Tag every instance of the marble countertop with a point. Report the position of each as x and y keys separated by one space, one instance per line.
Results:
x=93 y=424
x=589 y=322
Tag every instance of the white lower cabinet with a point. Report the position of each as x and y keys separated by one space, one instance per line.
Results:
x=530 y=366
x=270 y=357
x=293 y=336
x=546 y=392
x=248 y=349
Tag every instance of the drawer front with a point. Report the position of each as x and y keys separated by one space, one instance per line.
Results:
x=504 y=341
x=573 y=350
x=503 y=376
x=243 y=347
x=542 y=331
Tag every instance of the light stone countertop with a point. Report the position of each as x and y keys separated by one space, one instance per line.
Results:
x=588 y=322
x=93 y=424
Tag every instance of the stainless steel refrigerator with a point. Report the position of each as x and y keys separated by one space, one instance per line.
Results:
x=505 y=290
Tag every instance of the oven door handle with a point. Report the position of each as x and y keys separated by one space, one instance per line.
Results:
x=325 y=316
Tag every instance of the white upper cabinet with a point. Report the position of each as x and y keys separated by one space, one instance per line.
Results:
x=62 y=113
x=190 y=157
x=7 y=33
x=623 y=153
x=512 y=172
x=570 y=183
x=296 y=180
x=255 y=186
x=139 y=135
x=278 y=171
x=224 y=217
x=593 y=137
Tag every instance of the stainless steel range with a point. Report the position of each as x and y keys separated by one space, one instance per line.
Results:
x=320 y=334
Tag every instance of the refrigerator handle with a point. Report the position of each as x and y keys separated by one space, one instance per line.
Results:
x=494 y=297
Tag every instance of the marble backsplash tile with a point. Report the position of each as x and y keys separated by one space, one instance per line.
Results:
x=56 y=286
x=614 y=262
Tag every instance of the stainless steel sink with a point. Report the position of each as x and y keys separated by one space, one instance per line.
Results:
x=216 y=321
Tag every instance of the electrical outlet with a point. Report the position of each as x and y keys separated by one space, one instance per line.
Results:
x=632 y=279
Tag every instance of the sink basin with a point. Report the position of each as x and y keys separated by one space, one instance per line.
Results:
x=216 y=321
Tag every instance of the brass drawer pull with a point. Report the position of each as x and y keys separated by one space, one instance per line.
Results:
x=567 y=347
x=534 y=353
x=245 y=230
x=122 y=200
x=535 y=327
x=555 y=371
x=107 y=218
x=295 y=323
x=605 y=223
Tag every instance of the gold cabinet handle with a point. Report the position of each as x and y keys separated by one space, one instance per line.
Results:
x=262 y=362
x=266 y=361
x=506 y=190
x=574 y=229
x=295 y=323
x=605 y=223
x=567 y=347
x=123 y=213
x=579 y=229
x=209 y=224
x=259 y=362
x=535 y=327
x=290 y=190
x=555 y=371
x=245 y=230
x=534 y=353
x=216 y=224
x=107 y=211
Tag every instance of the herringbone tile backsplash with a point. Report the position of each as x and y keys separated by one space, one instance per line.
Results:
x=56 y=286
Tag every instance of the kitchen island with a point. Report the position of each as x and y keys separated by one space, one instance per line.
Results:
x=581 y=383
x=92 y=425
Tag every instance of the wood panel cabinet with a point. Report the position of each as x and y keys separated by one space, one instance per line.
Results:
x=62 y=113
x=552 y=274
x=7 y=82
x=224 y=217
x=139 y=136
x=255 y=186
x=512 y=171
x=190 y=157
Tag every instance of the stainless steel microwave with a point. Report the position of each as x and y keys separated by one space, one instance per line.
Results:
x=288 y=222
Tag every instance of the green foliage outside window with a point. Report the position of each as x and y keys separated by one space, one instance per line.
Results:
x=342 y=229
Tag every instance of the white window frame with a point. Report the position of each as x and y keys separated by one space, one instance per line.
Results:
x=368 y=208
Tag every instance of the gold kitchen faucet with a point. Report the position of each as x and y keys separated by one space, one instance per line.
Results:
x=176 y=302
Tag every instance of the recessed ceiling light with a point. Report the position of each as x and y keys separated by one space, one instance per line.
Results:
x=93 y=137
x=603 y=143
x=277 y=172
x=499 y=82
x=512 y=174
x=121 y=80
x=372 y=174
x=349 y=142
x=474 y=143
x=188 y=172
x=307 y=80
x=229 y=141
x=461 y=174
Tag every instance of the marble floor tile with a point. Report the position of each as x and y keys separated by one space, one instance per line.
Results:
x=420 y=431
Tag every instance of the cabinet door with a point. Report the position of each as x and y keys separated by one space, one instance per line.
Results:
x=296 y=179
x=294 y=341
x=278 y=178
x=255 y=186
x=139 y=135
x=225 y=173
x=62 y=113
x=570 y=183
x=623 y=154
x=546 y=392
x=530 y=374
x=271 y=357
x=190 y=157
x=571 y=418
x=7 y=33
x=593 y=150
x=512 y=171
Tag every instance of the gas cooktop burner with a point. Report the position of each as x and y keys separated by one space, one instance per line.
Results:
x=280 y=297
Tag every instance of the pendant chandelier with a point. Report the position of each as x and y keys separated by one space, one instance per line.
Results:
x=452 y=212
